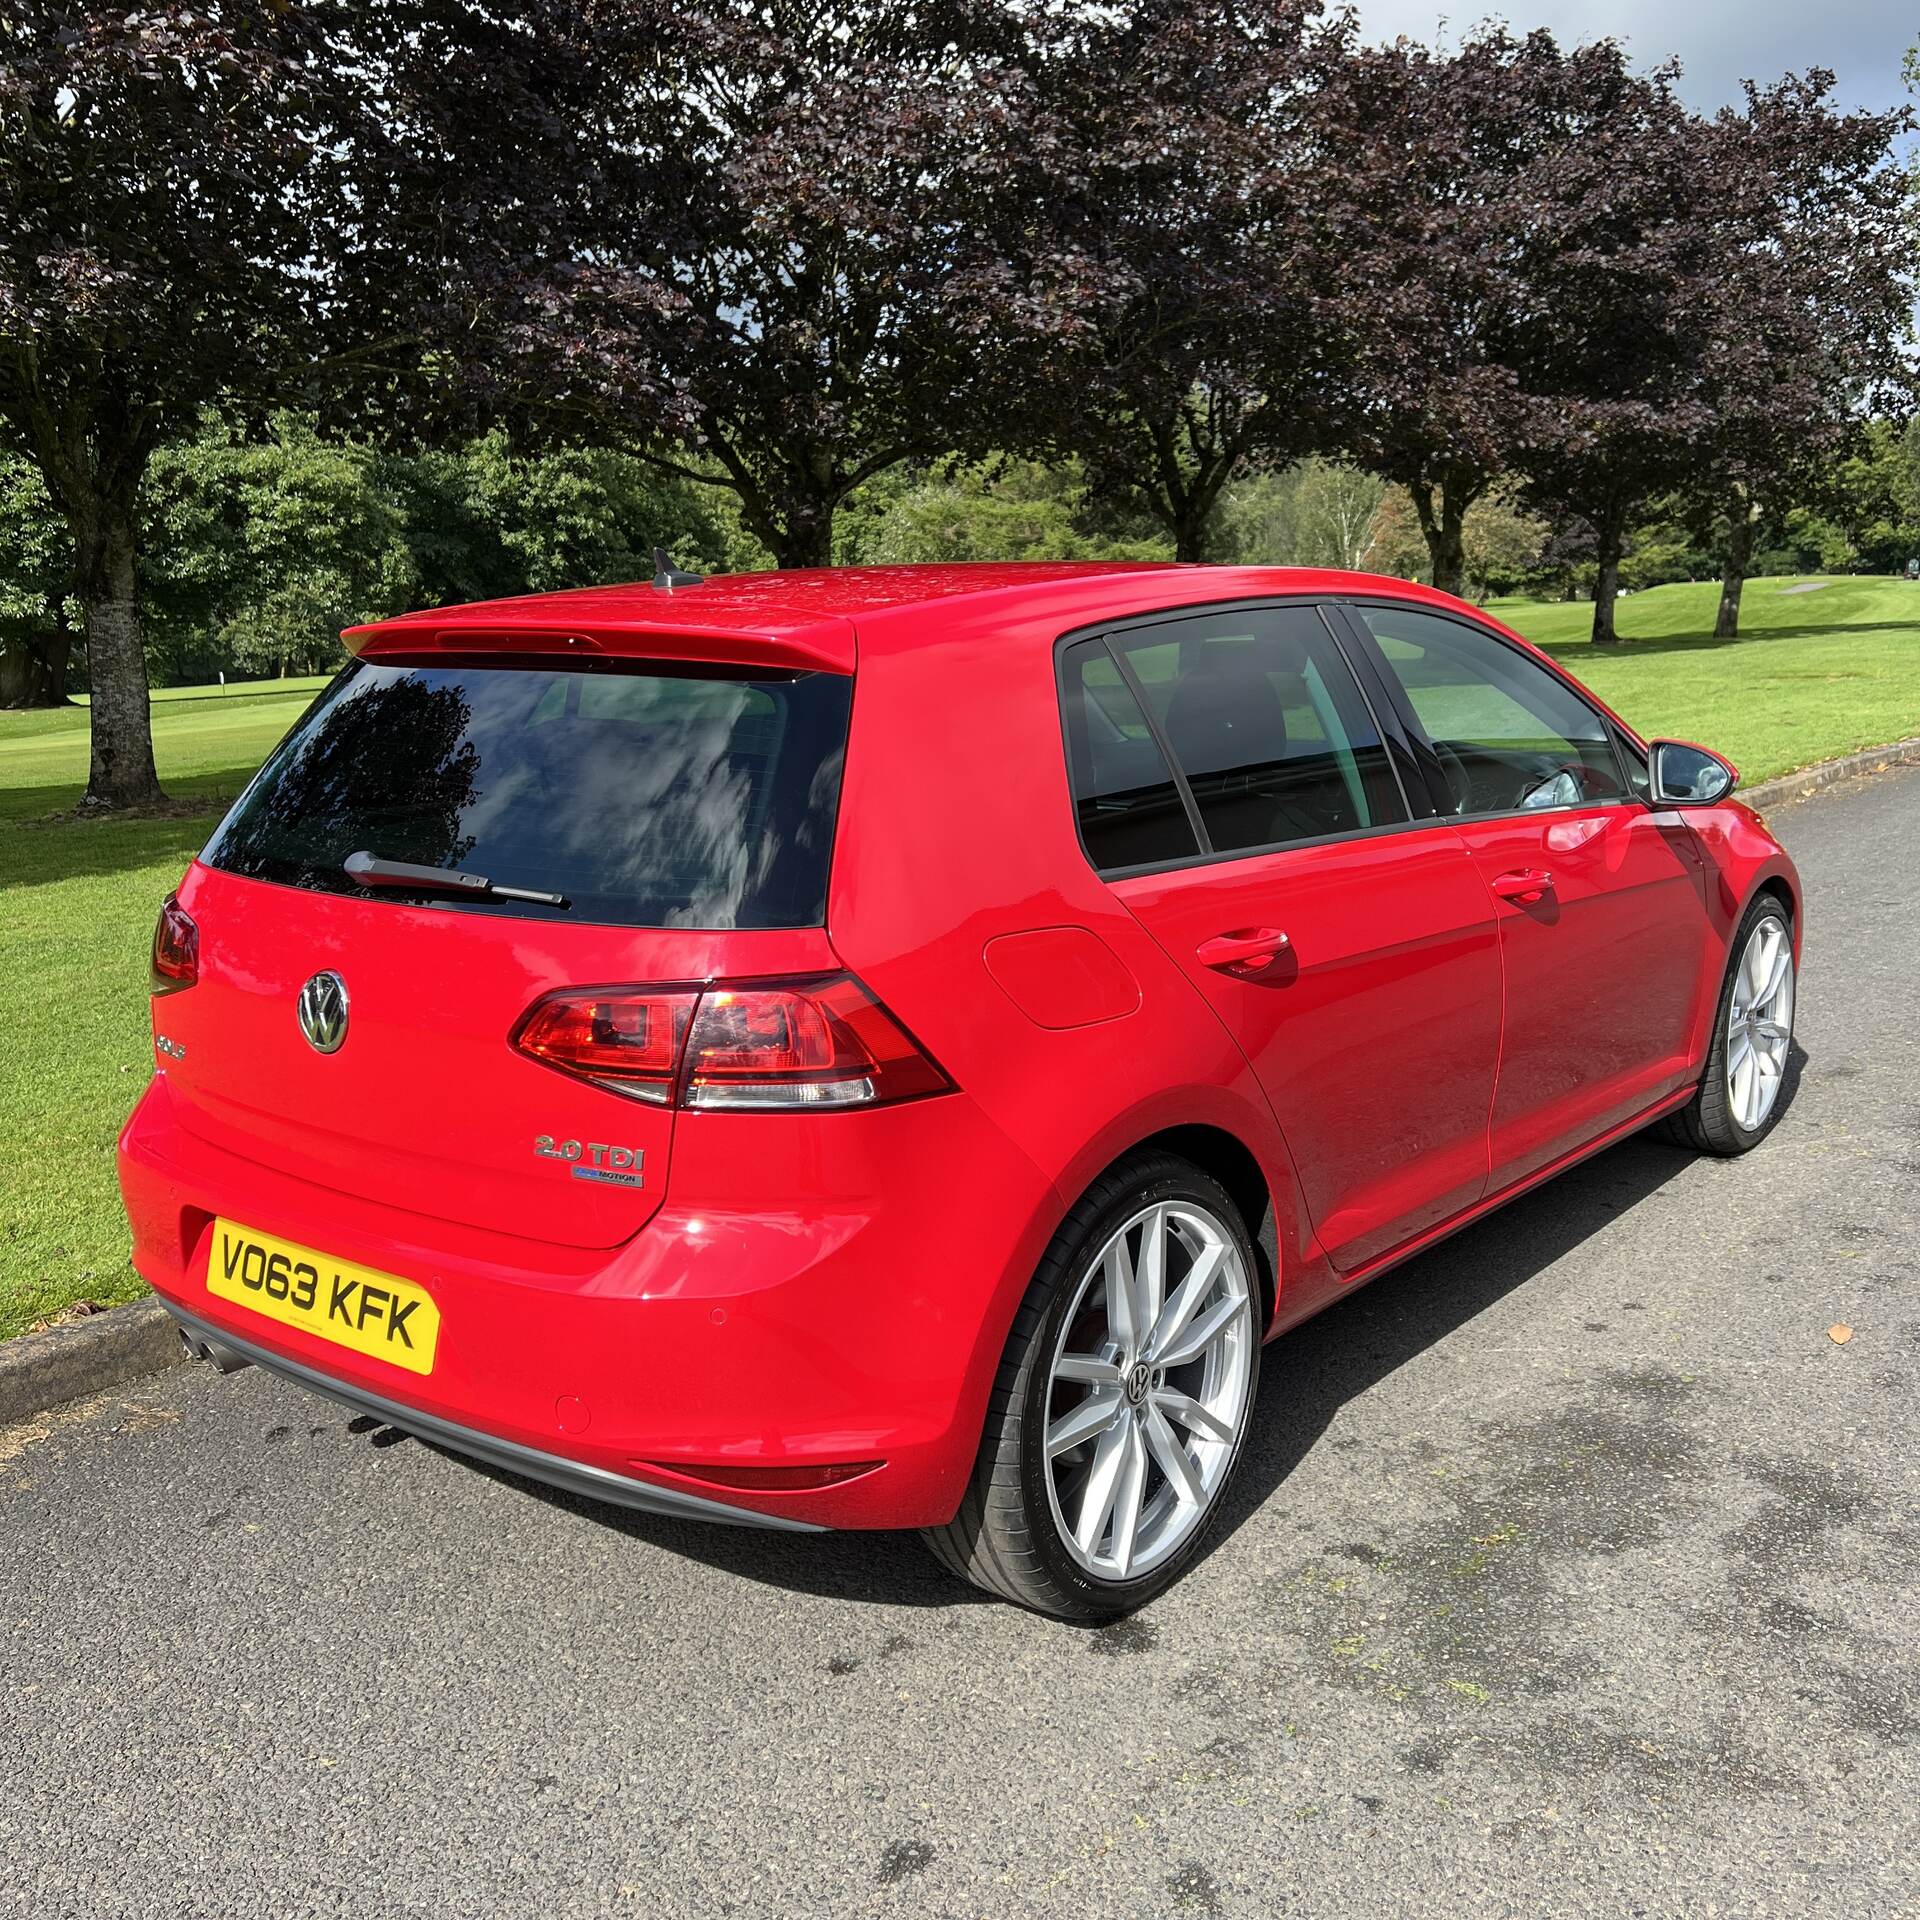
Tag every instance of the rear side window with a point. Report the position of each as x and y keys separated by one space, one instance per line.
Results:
x=1131 y=813
x=648 y=797
x=1265 y=720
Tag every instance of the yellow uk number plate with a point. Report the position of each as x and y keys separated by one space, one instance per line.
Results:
x=373 y=1313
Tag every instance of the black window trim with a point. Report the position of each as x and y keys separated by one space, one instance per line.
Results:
x=1627 y=752
x=1386 y=724
x=1350 y=605
x=1202 y=839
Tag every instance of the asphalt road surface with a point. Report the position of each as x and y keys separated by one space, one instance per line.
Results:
x=1574 y=1569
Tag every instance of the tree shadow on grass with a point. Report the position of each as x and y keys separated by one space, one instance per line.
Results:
x=1630 y=648
x=44 y=843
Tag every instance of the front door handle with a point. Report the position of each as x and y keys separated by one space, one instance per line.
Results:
x=1523 y=884
x=1248 y=950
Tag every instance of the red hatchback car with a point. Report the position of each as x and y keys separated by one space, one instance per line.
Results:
x=885 y=1048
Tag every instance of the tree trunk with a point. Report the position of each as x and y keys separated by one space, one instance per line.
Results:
x=1190 y=540
x=802 y=536
x=33 y=670
x=1606 y=585
x=122 y=772
x=1186 y=462
x=1733 y=572
x=1445 y=531
x=1448 y=550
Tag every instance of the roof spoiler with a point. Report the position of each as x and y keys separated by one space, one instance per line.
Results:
x=819 y=646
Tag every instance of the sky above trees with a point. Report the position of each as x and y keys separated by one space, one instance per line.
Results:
x=1721 y=42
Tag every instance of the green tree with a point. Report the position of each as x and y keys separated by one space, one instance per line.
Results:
x=485 y=521
x=1499 y=551
x=590 y=516
x=1317 y=513
x=257 y=553
x=263 y=551
x=159 y=251
x=1334 y=510
x=1006 y=510
x=36 y=576
x=323 y=547
x=1873 y=497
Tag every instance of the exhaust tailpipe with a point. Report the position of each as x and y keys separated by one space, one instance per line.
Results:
x=222 y=1358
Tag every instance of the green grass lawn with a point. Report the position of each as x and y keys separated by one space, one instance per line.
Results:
x=77 y=903
x=1813 y=675
x=1818 y=674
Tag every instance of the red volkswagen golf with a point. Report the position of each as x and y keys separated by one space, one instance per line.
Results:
x=885 y=1048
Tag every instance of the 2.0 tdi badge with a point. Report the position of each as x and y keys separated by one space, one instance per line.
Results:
x=595 y=1160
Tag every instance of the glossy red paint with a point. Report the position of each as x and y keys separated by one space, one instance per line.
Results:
x=1611 y=945
x=792 y=1296
x=1392 y=956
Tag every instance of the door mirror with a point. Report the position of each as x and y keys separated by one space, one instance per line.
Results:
x=1689 y=776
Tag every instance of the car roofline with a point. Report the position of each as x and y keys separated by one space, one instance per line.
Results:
x=807 y=620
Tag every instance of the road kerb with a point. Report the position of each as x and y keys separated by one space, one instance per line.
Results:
x=82 y=1357
x=1792 y=786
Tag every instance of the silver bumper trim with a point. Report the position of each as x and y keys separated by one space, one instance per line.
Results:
x=552 y=1469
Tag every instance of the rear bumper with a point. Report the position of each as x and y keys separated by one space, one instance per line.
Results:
x=551 y=1469
x=862 y=1322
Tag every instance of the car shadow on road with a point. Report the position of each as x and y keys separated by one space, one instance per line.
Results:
x=1308 y=1376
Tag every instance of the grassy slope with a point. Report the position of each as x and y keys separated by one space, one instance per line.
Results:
x=1818 y=674
x=1812 y=676
x=77 y=902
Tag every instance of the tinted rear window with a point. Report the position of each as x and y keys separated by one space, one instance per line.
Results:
x=1131 y=812
x=647 y=798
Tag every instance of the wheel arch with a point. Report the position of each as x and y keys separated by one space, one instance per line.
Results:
x=1781 y=883
x=1782 y=890
x=1232 y=1162
x=1226 y=1157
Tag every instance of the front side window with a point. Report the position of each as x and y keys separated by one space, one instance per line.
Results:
x=646 y=796
x=1510 y=736
x=1267 y=723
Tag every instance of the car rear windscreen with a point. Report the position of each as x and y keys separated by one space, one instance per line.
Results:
x=645 y=797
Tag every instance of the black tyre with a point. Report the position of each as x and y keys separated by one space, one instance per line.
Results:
x=1122 y=1401
x=1745 y=1087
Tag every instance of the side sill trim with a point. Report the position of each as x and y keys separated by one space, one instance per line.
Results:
x=1489 y=1204
x=570 y=1476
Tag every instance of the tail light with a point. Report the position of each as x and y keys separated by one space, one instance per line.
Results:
x=626 y=1040
x=176 y=948
x=827 y=1043
x=768 y=1047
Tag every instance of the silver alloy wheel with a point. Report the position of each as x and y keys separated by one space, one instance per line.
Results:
x=1760 y=1023
x=1149 y=1389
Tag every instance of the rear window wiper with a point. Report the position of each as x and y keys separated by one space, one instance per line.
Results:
x=369 y=870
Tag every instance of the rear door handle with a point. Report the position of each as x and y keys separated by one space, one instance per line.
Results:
x=1523 y=883
x=1248 y=950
